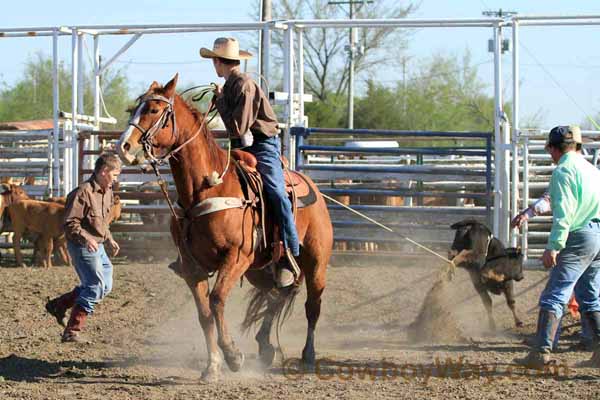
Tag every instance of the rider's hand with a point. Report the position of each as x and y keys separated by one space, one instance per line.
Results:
x=218 y=90
x=518 y=221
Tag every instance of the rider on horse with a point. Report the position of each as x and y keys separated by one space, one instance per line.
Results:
x=249 y=119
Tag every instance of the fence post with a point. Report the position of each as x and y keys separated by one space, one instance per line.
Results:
x=488 y=178
x=525 y=197
x=498 y=143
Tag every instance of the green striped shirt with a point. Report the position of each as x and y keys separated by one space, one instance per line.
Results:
x=575 y=197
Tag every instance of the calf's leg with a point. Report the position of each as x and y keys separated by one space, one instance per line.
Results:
x=509 y=293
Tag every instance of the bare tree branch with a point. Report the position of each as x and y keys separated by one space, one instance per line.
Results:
x=325 y=55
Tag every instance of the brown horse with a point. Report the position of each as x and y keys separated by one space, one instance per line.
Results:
x=221 y=242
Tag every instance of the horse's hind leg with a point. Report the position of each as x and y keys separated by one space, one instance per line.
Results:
x=315 y=285
x=199 y=288
x=266 y=351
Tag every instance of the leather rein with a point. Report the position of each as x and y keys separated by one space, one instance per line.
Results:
x=162 y=122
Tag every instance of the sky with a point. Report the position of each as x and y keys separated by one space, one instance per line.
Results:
x=563 y=91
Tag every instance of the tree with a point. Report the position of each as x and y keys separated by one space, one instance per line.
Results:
x=444 y=94
x=326 y=61
x=31 y=97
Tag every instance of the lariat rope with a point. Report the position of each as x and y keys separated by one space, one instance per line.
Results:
x=427 y=249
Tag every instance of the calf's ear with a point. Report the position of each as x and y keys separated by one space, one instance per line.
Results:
x=464 y=222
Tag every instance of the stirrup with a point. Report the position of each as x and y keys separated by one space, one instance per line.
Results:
x=292 y=262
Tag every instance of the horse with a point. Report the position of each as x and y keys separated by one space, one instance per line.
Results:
x=164 y=126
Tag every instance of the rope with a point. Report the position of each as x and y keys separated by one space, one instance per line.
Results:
x=427 y=249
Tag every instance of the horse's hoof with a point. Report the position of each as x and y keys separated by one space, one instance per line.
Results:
x=210 y=375
x=235 y=360
x=308 y=361
x=308 y=366
x=267 y=355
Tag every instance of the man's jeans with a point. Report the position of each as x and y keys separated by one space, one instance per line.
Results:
x=267 y=153
x=95 y=273
x=578 y=268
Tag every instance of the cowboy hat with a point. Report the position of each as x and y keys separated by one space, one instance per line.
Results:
x=228 y=48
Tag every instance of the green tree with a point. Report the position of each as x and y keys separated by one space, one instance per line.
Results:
x=444 y=94
x=31 y=97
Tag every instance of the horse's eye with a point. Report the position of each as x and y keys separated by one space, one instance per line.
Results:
x=153 y=111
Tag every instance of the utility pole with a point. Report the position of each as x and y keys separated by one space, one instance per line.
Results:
x=404 y=84
x=265 y=43
x=352 y=51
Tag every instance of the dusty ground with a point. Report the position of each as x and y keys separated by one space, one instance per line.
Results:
x=146 y=343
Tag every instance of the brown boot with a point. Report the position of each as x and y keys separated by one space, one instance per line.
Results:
x=76 y=323
x=539 y=356
x=175 y=266
x=58 y=307
x=593 y=319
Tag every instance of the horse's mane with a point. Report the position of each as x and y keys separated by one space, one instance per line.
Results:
x=213 y=147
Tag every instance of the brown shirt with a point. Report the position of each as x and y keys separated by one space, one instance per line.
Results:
x=87 y=213
x=243 y=106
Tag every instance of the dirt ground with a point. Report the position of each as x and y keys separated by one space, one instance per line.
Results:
x=146 y=343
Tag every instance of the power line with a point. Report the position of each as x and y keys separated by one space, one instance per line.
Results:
x=557 y=83
x=159 y=62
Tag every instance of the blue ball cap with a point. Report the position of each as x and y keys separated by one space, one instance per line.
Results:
x=560 y=134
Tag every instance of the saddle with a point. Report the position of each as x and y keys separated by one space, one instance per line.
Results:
x=300 y=193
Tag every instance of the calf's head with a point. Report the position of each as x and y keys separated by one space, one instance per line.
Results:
x=11 y=193
x=470 y=235
x=115 y=211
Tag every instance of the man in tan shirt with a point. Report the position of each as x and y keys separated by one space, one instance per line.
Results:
x=249 y=118
x=87 y=215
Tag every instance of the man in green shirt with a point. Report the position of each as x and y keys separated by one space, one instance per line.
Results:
x=573 y=249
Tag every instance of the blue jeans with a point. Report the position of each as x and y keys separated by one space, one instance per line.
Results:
x=267 y=153
x=578 y=269
x=95 y=272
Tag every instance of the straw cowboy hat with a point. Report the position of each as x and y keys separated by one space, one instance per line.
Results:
x=228 y=48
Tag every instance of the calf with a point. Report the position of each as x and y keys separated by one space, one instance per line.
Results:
x=492 y=267
x=43 y=218
x=9 y=194
x=60 y=243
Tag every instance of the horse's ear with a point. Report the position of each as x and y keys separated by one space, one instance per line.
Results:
x=154 y=85
x=170 y=87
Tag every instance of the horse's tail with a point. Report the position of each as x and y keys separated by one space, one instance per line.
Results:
x=279 y=303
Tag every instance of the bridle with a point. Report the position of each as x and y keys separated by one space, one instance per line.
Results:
x=155 y=162
x=161 y=123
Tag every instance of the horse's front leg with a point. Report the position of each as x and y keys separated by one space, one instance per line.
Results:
x=229 y=275
x=200 y=291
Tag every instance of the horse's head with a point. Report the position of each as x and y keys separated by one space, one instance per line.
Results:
x=152 y=130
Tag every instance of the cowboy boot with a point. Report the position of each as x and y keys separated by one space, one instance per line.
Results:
x=58 y=306
x=539 y=356
x=288 y=272
x=176 y=266
x=593 y=320
x=76 y=323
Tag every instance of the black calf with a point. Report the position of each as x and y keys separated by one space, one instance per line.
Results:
x=492 y=267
